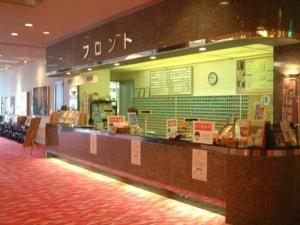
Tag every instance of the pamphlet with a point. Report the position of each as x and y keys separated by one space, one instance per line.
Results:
x=257 y=133
x=199 y=167
x=203 y=132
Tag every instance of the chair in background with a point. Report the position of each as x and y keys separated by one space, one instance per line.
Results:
x=31 y=133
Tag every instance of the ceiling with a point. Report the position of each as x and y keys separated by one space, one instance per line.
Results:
x=62 y=18
x=230 y=53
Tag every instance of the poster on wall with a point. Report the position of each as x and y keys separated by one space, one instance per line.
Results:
x=203 y=132
x=199 y=165
x=254 y=75
x=171 y=128
x=73 y=98
x=40 y=101
x=289 y=104
x=21 y=106
x=260 y=107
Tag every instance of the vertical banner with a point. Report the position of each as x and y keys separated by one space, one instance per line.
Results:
x=199 y=165
x=203 y=132
x=93 y=143
x=136 y=152
x=290 y=104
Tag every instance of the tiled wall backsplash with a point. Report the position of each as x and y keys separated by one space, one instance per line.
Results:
x=208 y=108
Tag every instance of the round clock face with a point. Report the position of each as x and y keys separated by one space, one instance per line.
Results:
x=212 y=78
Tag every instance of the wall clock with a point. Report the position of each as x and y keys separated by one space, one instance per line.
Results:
x=212 y=78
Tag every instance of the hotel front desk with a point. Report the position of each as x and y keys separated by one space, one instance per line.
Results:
x=248 y=186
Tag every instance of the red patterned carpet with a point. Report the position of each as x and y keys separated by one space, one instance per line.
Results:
x=39 y=191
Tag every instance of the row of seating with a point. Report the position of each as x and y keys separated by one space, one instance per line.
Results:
x=16 y=132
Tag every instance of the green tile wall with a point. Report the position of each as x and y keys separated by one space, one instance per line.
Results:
x=210 y=108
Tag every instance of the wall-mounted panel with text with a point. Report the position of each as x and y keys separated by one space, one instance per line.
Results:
x=173 y=81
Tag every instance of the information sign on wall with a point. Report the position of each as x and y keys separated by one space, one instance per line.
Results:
x=254 y=75
x=199 y=165
x=174 y=81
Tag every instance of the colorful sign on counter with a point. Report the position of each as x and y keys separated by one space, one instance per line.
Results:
x=171 y=128
x=203 y=132
x=115 y=119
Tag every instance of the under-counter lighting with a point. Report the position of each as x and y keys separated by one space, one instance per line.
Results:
x=224 y=2
x=116 y=64
x=28 y=25
x=14 y=34
x=202 y=49
x=152 y=57
x=89 y=69
x=46 y=32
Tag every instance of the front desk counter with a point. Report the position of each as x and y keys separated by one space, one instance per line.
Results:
x=258 y=187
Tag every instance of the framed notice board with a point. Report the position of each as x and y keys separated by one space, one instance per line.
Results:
x=172 y=81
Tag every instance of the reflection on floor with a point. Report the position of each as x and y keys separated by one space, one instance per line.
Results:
x=35 y=190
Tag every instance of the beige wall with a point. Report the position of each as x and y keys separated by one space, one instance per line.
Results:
x=101 y=86
x=226 y=70
x=25 y=78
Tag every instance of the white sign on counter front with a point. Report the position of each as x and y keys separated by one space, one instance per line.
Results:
x=136 y=152
x=93 y=143
x=199 y=165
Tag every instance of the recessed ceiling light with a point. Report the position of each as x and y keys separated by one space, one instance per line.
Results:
x=61 y=58
x=25 y=61
x=116 y=64
x=202 y=49
x=152 y=57
x=28 y=25
x=14 y=34
x=68 y=73
x=89 y=69
x=46 y=32
x=224 y=2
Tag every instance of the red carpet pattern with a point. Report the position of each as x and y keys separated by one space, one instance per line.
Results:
x=39 y=191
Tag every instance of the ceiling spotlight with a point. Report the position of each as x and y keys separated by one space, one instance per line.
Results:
x=224 y=2
x=152 y=57
x=117 y=64
x=28 y=25
x=89 y=69
x=202 y=49
x=46 y=32
x=14 y=34
x=68 y=73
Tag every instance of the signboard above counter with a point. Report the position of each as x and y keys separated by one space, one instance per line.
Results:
x=173 y=81
x=255 y=75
